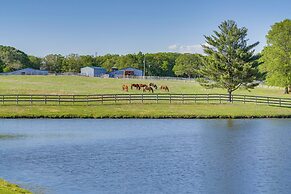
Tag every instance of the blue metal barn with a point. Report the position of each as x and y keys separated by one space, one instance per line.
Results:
x=93 y=71
x=126 y=72
x=27 y=71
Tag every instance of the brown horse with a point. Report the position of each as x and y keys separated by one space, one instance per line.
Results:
x=164 y=87
x=148 y=88
x=136 y=86
x=125 y=87
x=142 y=85
x=153 y=85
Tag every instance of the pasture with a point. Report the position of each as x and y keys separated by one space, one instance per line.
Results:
x=75 y=85
x=87 y=85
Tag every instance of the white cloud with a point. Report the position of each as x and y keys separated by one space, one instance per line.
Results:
x=197 y=48
x=173 y=47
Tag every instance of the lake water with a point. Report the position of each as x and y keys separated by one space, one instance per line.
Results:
x=147 y=156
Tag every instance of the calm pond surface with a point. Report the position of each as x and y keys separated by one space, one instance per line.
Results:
x=147 y=156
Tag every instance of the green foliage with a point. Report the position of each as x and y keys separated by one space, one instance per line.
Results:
x=13 y=59
x=231 y=62
x=35 y=62
x=53 y=63
x=160 y=64
x=188 y=65
x=2 y=66
x=72 y=63
x=87 y=60
x=277 y=55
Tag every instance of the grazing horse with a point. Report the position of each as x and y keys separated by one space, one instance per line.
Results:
x=125 y=87
x=148 y=88
x=136 y=86
x=166 y=88
x=142 y=85
x=153 y=85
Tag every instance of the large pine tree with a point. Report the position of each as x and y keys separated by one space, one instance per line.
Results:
x=231 y=62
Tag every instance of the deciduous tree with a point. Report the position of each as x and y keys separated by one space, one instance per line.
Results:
x=188 y=65
x=277 y=55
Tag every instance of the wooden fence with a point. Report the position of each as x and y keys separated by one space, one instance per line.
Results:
x=138 y=98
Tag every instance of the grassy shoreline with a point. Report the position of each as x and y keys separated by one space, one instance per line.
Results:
x=144 y=111
x=9 y=188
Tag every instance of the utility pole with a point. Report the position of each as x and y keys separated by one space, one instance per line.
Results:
x=144 y=66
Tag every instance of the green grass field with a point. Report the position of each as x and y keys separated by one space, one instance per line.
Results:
x=146 y=111
x=8 y=188
x=87 y=85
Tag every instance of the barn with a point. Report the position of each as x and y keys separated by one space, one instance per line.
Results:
x=126 y=72
x=27 y=71
x=93 y=71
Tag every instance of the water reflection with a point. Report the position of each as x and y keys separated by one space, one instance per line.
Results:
x=148 y=156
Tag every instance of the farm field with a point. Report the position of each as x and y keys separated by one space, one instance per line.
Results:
x=199 y=110
x=87 y=85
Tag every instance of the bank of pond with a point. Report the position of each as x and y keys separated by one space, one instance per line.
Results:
x=9 y=188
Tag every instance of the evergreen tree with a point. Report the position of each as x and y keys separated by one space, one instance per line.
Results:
x=231 y=62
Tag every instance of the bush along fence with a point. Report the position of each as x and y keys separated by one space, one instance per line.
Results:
x=138 y=98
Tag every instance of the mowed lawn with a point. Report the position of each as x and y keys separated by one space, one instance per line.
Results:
x=86 y=85
x=200 y=110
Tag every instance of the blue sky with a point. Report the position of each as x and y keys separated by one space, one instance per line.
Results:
x=41 y=27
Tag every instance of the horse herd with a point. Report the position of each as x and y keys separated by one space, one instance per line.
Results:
x=145 y=87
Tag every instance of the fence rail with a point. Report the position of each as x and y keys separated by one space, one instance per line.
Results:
x=138 y=98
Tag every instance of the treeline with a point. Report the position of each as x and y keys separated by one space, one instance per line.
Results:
x=158 y=64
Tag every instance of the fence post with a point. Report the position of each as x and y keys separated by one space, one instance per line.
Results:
x=87 y=100
x=280 y=102
x=30 y=100
x=45 y=99
x=73 y=99
x=59 y=99
x=220 y=98
x=183 y=98
x=157 y=98
x=195 y=98
x=17 y=99
x=244 y=99
x=3 y=99
x=256 y=100
x=170 y=98
x=129 y=98
x=142 y=98
x=115 y=98
x=207 y=98
x=102 y=98
x=268 y=101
